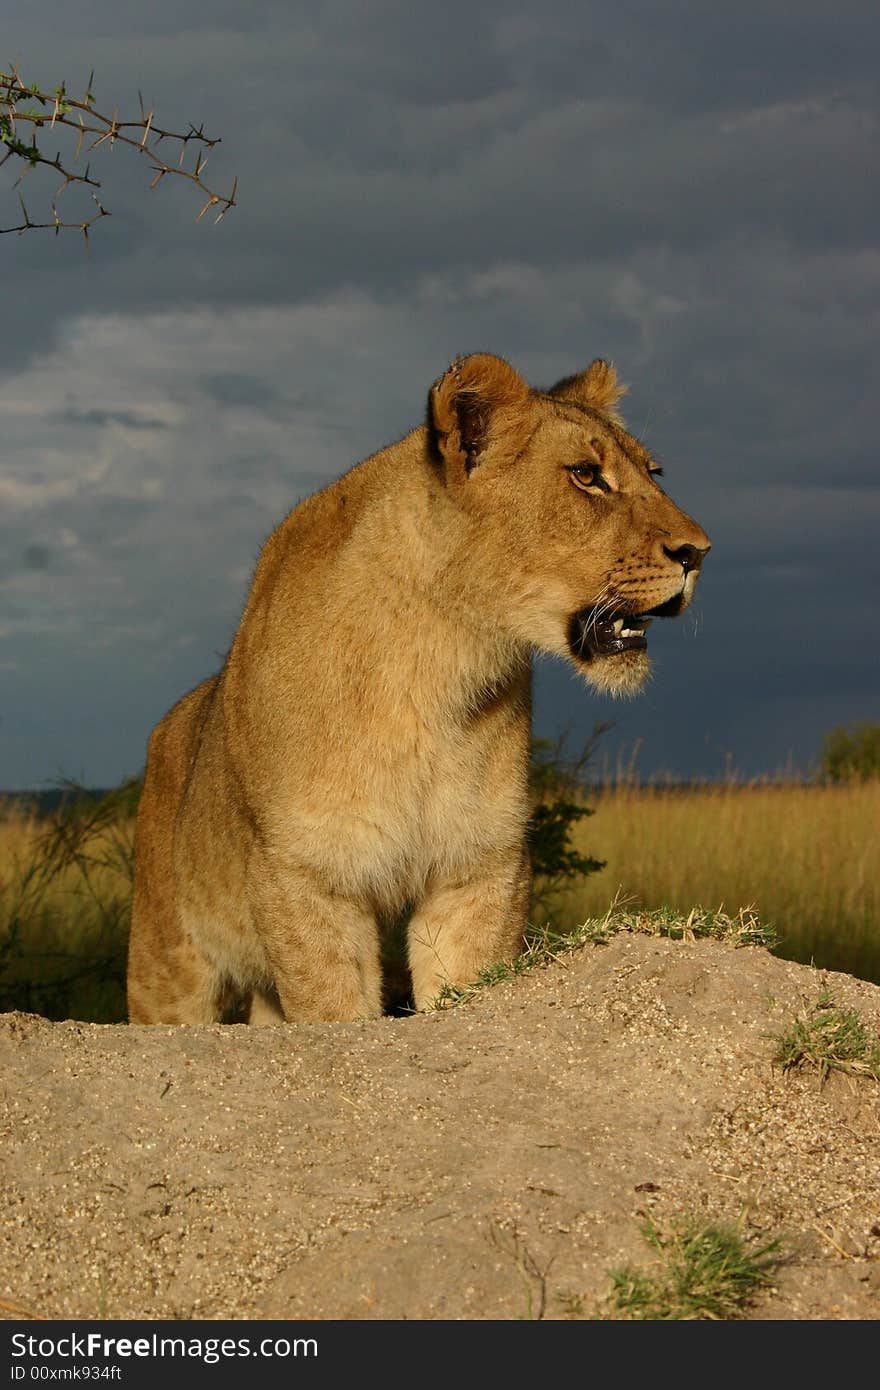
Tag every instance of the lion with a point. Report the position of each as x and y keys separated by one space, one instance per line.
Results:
x=363 y=754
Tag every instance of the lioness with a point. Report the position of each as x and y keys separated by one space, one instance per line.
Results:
x=363 y=753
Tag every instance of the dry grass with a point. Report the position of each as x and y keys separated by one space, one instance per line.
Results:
x=806 y=857
x=65 y=891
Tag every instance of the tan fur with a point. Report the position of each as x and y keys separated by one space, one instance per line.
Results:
x=363 y=753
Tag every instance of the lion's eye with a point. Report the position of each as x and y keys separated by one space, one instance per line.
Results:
x=587 y=475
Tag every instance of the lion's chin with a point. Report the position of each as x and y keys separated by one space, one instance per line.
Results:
x=622 y=675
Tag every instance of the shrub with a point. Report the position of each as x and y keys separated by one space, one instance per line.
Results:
x=852 y=752
x=556 y=782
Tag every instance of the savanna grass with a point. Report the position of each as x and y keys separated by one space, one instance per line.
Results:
x=806 y=856
x=65 y=901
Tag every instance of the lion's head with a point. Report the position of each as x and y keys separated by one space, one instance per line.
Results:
x=566 y=506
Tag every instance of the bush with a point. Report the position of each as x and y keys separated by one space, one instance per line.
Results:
x=557 y=786
x=852 y=752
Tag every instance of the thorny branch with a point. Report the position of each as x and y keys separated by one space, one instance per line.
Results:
x=93 y=129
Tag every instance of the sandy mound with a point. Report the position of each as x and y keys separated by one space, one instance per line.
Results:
x=476 y=1163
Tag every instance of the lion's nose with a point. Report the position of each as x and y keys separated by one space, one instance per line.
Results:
x=690 y=557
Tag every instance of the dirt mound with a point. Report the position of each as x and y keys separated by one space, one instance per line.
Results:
x=491 y=1161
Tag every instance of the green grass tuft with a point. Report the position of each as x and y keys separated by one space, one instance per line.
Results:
x=830 y=1038
x=704 y=1272
x=547 y=944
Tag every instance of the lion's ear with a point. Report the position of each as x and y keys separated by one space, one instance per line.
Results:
x=597 y=387
x=477 y=412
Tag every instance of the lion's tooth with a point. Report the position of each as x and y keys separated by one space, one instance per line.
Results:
x=632 y=632
x=618 y=626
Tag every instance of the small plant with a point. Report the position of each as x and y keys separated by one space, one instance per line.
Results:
x=532 y=1275
x=704 y=1272
x=829 y=1038
x=571 y=1303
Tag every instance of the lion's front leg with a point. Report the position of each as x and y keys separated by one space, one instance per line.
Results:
x=459 y=929
x=323 y=948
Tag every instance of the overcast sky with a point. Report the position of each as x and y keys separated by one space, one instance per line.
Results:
x=688 y=189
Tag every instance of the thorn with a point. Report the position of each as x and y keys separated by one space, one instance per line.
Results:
x=147 y=126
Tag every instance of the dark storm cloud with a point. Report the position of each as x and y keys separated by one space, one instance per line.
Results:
x=236 y=388
x=71 y=416
x=371 y=153
x=688 y=190
x=36 y=557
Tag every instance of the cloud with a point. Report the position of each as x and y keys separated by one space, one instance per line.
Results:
x=70 y=415
x=36 y=557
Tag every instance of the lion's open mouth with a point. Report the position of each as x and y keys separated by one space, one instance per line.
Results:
x=590 y=635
